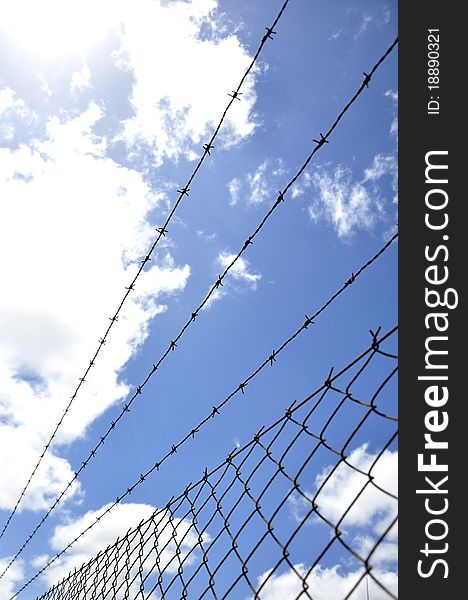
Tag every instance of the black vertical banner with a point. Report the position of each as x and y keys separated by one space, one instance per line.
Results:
x=432 y=255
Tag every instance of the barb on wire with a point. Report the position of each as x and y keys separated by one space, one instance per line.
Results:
x=236 y=512
x=173 y=343
x=161 y=231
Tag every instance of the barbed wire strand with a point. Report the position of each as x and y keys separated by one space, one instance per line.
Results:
x=228 y=465
x=207 y=148
x=216 y=285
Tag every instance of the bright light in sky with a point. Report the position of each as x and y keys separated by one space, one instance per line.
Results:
x=57 y=27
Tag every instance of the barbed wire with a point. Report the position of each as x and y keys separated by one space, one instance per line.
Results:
x=219 y=282
x=161 y=232
x=162 y=554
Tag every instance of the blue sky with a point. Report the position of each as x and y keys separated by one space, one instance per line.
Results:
x=100 y=126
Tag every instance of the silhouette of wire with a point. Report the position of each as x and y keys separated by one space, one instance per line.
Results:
x=194 y=314
x=161 y=231
x=247 y=491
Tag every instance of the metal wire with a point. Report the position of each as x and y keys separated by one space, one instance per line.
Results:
x=161 y=232
x=231 y=533
x=173 y=344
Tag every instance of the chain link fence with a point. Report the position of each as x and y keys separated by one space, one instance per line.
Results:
x=278 y=515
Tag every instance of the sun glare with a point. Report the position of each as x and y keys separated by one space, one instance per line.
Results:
x=56 y=27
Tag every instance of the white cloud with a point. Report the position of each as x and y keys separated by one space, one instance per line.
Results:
x=326 y=584
x=379 y=19
x=44 y=86
x=374 y=509
x=39 y=561
x=298 y=189
x=386 y=552
x=394 y=126
x=176 y=102
x=11 y=578
x=206 y=237
x=258 y=186
x=117 y=523
x=12 y=108
x=240 y=270
x=74 y=225
x=280 y=168
x=234 y=187
x=81 y=79
x=9 y=102
x=335 y=35
x=346 y=204
x=382 y=164
x=239 y=278
x=7 y=131
x=216 y=295
x=366 y=20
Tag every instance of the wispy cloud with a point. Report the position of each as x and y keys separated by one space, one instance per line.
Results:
x=298 y=189
x=394 y=126
x=12 y=110
x=234 y=187
x=240 y=270
x=344 y=202
x=239 y=278
x=382 y=165
x=366 y=21
x=10 y=102
x=207 y=237
x=359 y=23
x=81 y=79
x=335 y=35
x=257 y=186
